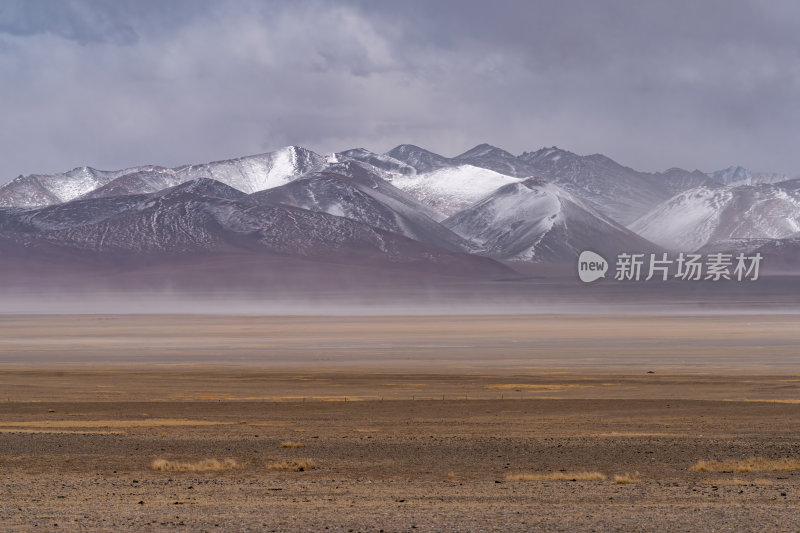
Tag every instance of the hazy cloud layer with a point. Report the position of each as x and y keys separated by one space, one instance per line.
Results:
x=652 y=84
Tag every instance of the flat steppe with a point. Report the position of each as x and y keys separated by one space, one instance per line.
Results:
x=400 y=423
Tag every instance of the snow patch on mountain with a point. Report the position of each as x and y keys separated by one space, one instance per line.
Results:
x=707 y=215
x=686 y=221
x=449 y=190
x=363 y=198
x=493 y=223
x=248 y=174
x=382 y=162
x=420 y=159
x=619 y=192
x=45 y=189
x=533 y=220
x=497 y=159
x=256 y=173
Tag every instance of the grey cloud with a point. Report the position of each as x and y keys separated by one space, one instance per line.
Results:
x=651 y=84
x=82 y=22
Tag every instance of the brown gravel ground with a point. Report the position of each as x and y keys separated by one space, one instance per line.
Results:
x=397 y=465
x=400 y=449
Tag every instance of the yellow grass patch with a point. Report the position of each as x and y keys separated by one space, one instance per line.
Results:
x=366 y=430
x=626 y=478
x=298 y=465
x=205 y=465
x=292 y=444
x=558 y=476
x=753 y=464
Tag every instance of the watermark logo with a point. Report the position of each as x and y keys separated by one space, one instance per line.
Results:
x=591 y=266
x=663 y=266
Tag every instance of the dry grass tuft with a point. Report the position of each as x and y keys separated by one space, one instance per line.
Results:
x=292 y=444
x=626 y=478
x=753 y=464
x=298 y=465
x=205 y=465
x=558 y=476
x=451 y=475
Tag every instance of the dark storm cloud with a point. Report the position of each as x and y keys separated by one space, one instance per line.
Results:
x=651 y=84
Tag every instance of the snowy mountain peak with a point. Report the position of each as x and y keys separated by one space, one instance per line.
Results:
x=483 y=150
x=203 y=187
x=449 y=190
x=553 y=153
x=422 y=160
x=493 y=158
x=247 y=174
x=352 y=191
x=381 y=162
x=705 y=215
x=618 y=192
x=534 y=220
x=405 y=149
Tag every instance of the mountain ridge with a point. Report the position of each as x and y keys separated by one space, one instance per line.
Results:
x=414 y=193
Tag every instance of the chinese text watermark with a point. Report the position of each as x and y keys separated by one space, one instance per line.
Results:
x=664 y=266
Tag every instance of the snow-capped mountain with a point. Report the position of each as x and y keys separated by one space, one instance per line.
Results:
x=500 y=161
x=533 y=220
x=707 y=215
x=743 y=176
x=444 y=184
x=208 y=217
x=420 y=159
x=618 y=192
x=247 y=174
x=85 y=211
x=351 y=190
x=382 y=162
x=138 y=182
x=485 y=196
x=449 y=190
x=46 y=189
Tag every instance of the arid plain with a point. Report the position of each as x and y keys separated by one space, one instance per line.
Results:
x=650 y=422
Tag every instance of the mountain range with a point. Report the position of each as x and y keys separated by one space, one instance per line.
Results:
x=478 y=214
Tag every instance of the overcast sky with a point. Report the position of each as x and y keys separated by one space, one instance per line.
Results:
x=113 y=84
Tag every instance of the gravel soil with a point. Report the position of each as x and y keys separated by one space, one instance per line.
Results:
x=397 y=465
